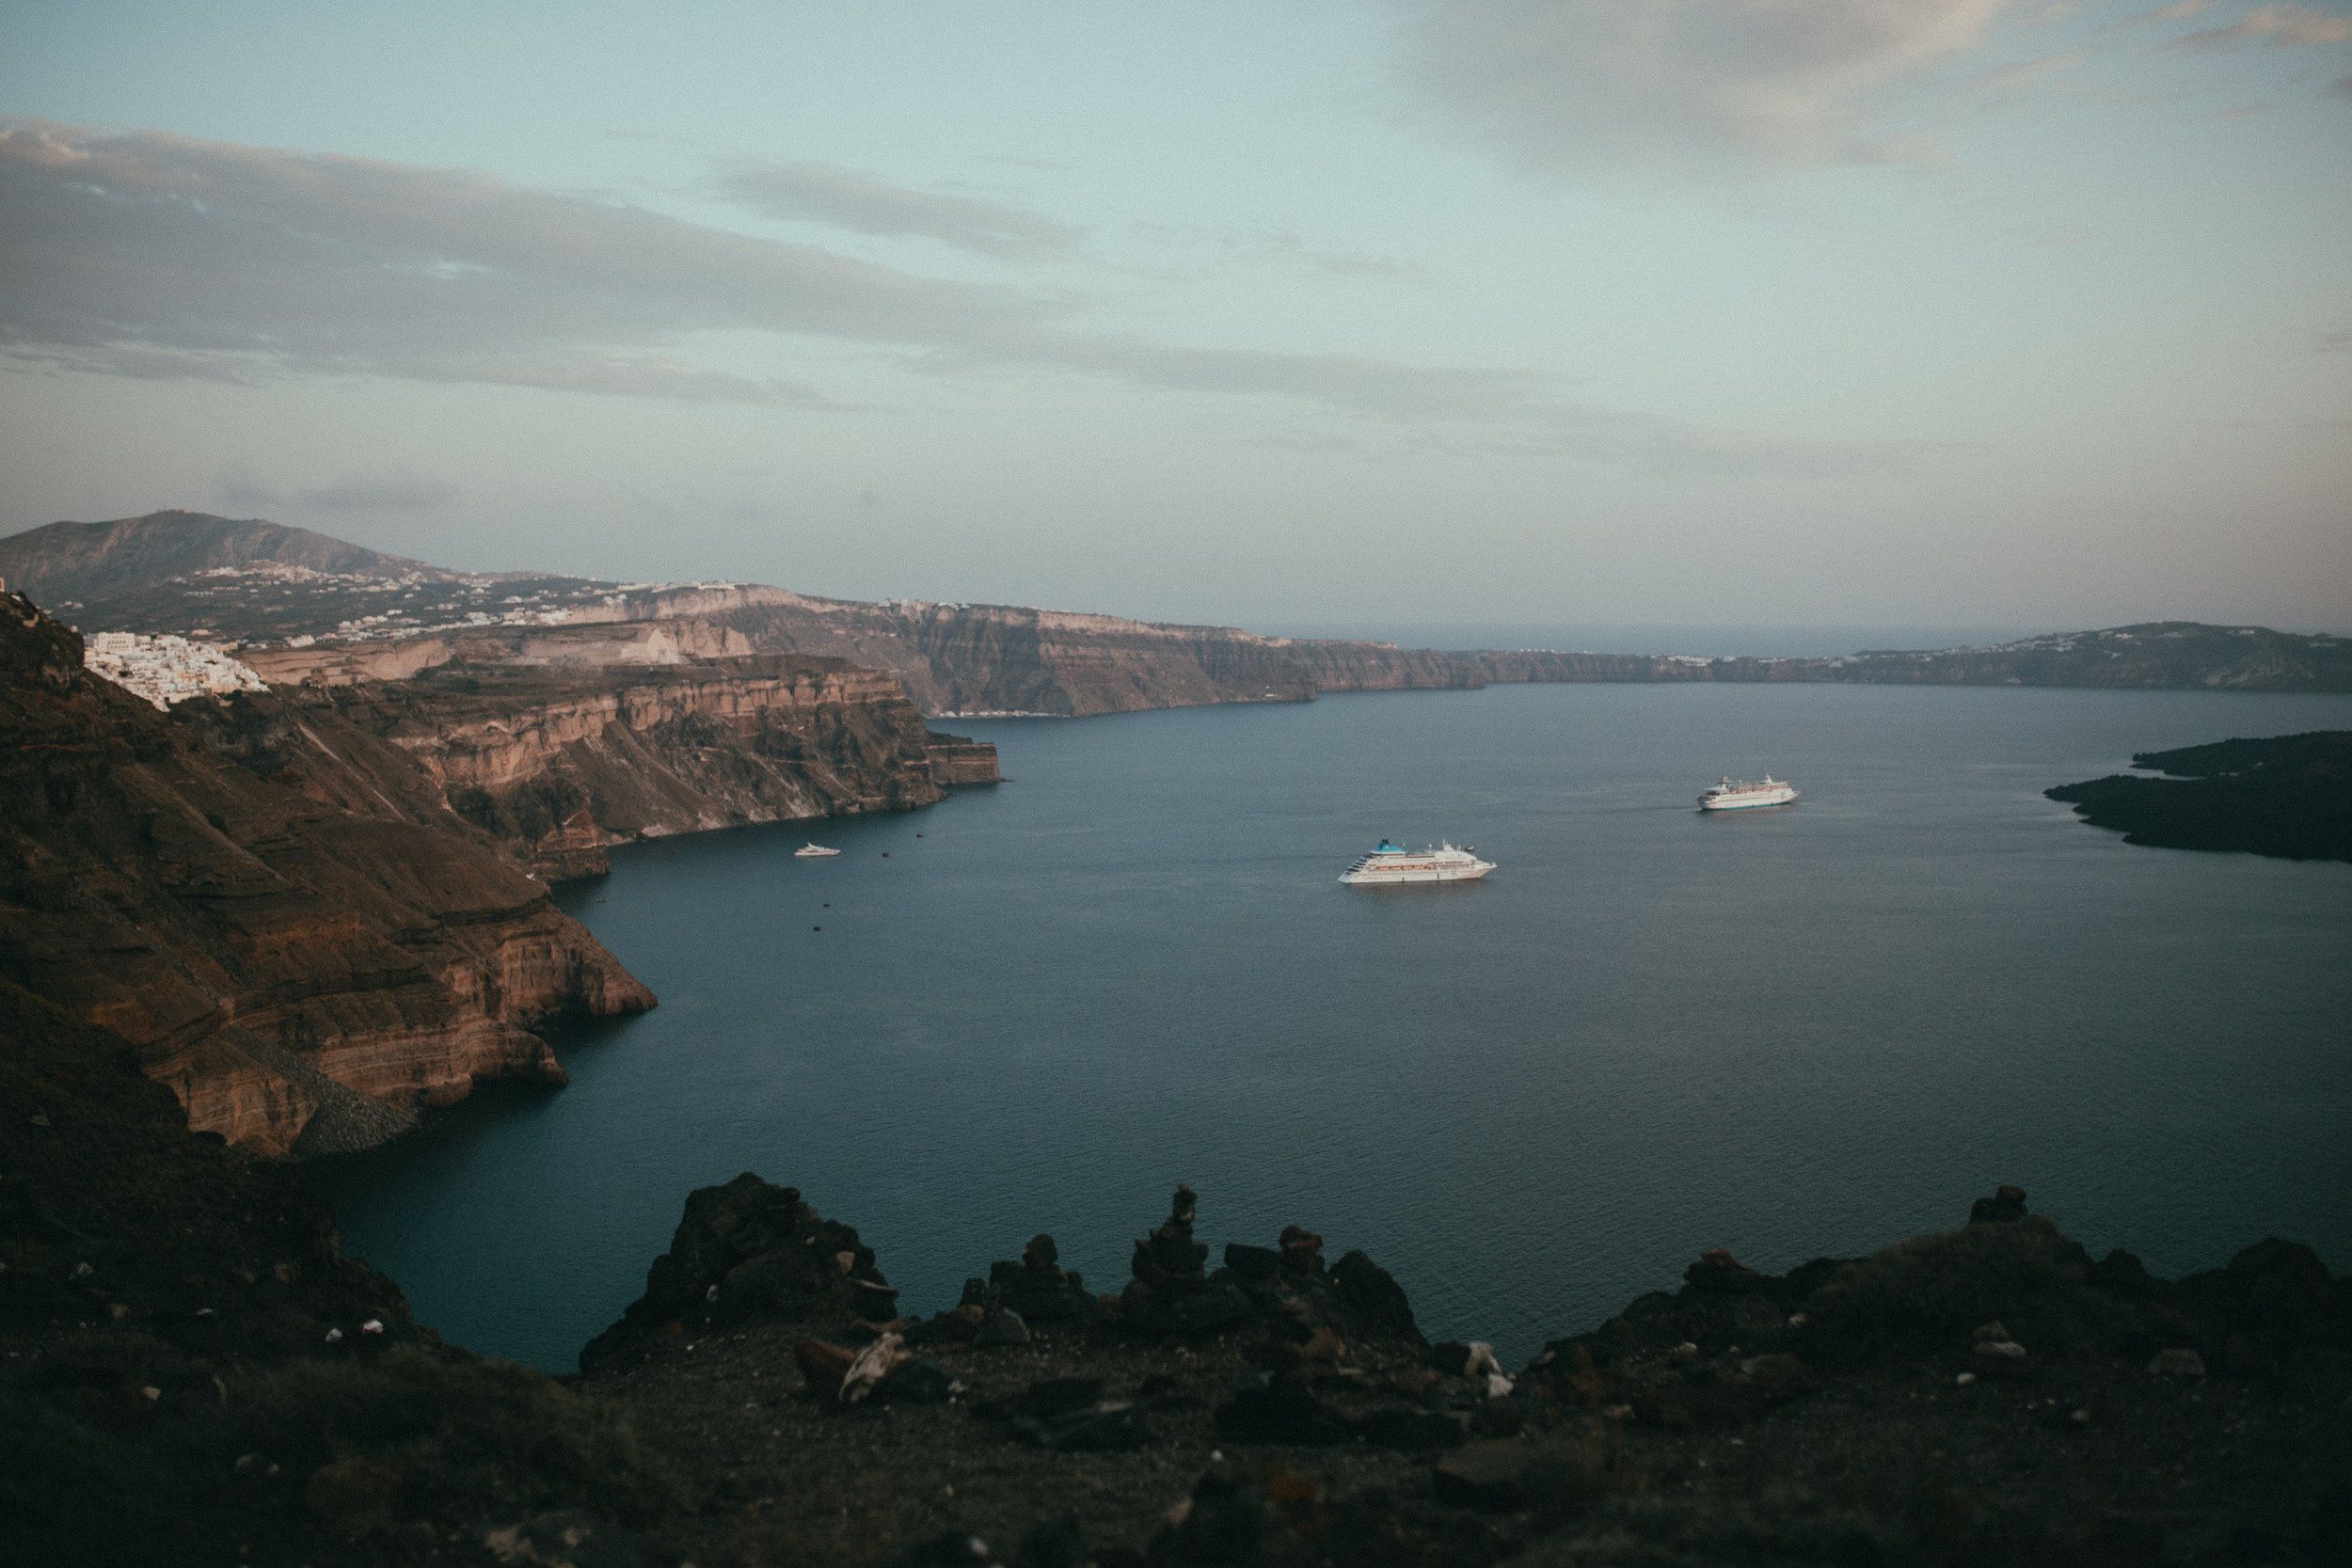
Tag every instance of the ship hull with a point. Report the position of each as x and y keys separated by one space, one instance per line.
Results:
x=1778 y=797
x=1399 y=877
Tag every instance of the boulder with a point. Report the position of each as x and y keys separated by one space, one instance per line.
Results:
x=1267 y=1409
x=1399 y=1427
x=1003 y=1327
x=1096 y=1429
x=1044 y=1293
x=2006 y=1204
x=570 y=1539
x=1489 y=1477
x=751 y=1249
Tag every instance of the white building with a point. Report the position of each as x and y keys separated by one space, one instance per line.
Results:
x=165 y=670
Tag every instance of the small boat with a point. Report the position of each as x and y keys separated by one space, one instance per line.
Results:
x=1390 y=863
x=1732 y=794
x=807 y=849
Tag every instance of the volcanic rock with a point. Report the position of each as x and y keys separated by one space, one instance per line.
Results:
x=2006 y=1204
x=1043 y=1293
x=1270 y=1409
x=301 y=973
x=749 y=1249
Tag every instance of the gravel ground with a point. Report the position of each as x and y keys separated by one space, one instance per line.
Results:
x=2155 y=1469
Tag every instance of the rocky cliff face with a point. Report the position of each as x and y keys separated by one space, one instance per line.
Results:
x=302 y=958
x=2159 y=655
x=561 y=742
x=979 y=659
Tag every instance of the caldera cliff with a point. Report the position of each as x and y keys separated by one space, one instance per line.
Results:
x=559 y=742
x=301 y=972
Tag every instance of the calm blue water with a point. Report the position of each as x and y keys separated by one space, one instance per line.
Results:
x=1810 y=1030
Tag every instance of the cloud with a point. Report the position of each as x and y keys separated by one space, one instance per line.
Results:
x=157 y=256
x=238 y=491
x=1286 y=245
x=844 y=199
x=394 y=490
x=2173 y=12
x=397 y=488
x=1270 y=245
x=1702 y=85
x=151 y=254
x=2018 y=75
x=2280 y=26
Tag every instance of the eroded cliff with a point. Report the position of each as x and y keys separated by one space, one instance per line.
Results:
x=303 y=960
x=559 y=742
x=979 y=659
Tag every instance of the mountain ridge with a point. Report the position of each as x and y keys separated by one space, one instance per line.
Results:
x=88 y=561
x=961 y=659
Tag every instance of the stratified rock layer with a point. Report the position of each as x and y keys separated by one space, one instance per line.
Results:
x=561 y=741
x=300 y=968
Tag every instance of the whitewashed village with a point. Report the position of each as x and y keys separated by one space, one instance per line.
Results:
x=166 y=670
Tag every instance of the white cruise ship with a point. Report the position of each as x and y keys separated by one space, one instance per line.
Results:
x=1444 y=863
x=1731 y=794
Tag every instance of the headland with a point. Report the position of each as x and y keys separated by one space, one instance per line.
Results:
x=2289 y=796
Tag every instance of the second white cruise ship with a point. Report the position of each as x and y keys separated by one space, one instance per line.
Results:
x=1730 y=795
x=1444 y=863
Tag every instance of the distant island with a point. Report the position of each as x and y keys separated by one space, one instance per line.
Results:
x=316 y=602
x=2284 y=796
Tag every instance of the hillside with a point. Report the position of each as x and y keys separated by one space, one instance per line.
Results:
x=2289 y=796
x=302 y=957
x=2170 y=654
x=69 y=564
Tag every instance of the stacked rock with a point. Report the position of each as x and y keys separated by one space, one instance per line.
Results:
x=2006 y=1204
x=1044 y=1293
x=1172 y=1291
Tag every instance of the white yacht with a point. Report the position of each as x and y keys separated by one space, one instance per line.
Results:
x=807 y=849
x=1444 y=863
x=1733 y=794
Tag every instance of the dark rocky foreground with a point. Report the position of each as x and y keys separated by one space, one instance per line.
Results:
x=193 y=1375
x=2289 y=796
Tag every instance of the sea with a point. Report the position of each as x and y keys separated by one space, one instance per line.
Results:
x=1807 y=1031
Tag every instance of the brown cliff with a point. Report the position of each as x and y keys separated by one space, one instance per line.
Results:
x=985 y=660
x=301 y=967
x=562 y=741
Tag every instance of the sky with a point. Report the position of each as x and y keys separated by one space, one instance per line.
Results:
x=2014 y=313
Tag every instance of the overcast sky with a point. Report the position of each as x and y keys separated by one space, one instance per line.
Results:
x=1954 y=312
